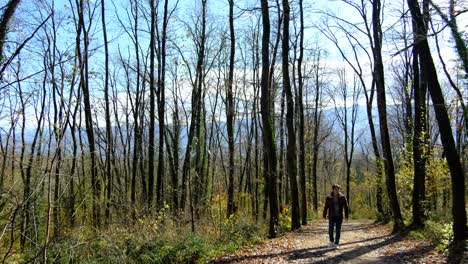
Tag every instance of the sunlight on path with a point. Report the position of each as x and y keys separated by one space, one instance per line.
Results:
x=361 y=242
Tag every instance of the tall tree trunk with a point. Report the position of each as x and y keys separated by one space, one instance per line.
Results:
x=83 y=62
x=230 y=113
x=378 y=159
x=175 y=145
x=137 y=126
x=72 y=196
x=25 y=225
x=281 y=175
x=23 y=150
x=109 y=139
x=429 y=75
x=315 y=143
x=302 y=174
x=58 y=130
x=269 y=147
x=418 y=142
x=291 y=147
x=381 y=105
x=152 y=108
x=196 y=105
x=255 y=63
x=175 y=148
x=161 y=111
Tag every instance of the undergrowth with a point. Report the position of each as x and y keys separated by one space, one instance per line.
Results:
x=441 y=234
x=156 y=239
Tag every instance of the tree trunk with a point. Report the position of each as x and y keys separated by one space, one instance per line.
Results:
x=83 y=62
x=302 y=174
x=315 y=143
x=4 y=21
x=418 y=143
x=161 y=111
x=152 y=108
x=429 y=75
x=381 y=105
x=230 y=113
x=282 y=181
x=175 y=151
x=378 y=159
x=136 y=125
x=196 y=104
x=269 y=146
x=291 y=147
x=109 y=139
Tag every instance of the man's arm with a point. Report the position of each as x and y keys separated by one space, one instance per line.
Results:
x=325 y=209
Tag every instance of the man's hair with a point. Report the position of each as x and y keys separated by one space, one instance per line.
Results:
x=336 y=186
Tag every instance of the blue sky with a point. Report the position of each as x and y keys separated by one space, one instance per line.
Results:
x=217 y=17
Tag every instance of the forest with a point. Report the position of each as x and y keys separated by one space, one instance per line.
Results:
x=157 y=131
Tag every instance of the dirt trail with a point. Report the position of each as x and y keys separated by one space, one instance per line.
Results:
x=361 y=242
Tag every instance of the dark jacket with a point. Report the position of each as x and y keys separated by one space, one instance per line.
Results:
x=329 y=209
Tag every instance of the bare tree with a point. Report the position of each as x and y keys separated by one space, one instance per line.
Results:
x=347 y=118
x=300 y=104
x=152 y=107
x=269 y=146
x=291 y=147
x=84 y=83
x=378 y=75
x=161 y=107
x=356 y=62
x=109 y=140
x=317 y=75
x=230 y=112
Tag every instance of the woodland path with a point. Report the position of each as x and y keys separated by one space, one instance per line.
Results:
x=361 y=242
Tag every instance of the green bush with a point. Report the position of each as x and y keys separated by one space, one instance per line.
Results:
x=440 y=233
x=191 y=249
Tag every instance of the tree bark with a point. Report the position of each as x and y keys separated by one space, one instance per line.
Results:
x=302 y=174
x=315 y=143
x=152 y=108
x=418 y=143
x=382 y=107
x=109 y=140
x=84 y=69
x=429 y=75
x=291 y=147
x=269 y=146
x=196 y=104
x=230 y=113
x=5 y=20
x=161 y=110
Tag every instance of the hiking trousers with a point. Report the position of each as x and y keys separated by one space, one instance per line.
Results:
x=335 y=222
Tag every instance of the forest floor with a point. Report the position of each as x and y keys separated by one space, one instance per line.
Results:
x=361 y=242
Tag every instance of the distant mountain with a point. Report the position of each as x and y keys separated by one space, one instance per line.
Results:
x=329 y=115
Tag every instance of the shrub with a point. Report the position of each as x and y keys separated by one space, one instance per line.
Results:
x=440 y=233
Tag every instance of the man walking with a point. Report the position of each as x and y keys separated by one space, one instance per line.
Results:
x=335 y=203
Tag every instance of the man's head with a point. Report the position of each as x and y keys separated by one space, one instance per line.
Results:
x=336 y=188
